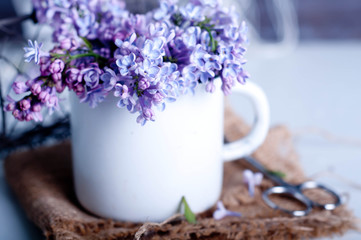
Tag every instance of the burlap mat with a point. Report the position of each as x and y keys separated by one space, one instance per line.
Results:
x=42 y=181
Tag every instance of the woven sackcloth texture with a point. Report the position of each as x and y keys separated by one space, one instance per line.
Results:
x=42 y=180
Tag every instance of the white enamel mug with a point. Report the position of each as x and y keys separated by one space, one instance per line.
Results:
x=129 y=172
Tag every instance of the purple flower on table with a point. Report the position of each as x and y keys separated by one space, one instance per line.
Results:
x=19 y=87
x=147 y=69
x=33 y=52
x=153 y=49
x=126 y=64
x=252 y=179
x=91 y=75
x=222 y=212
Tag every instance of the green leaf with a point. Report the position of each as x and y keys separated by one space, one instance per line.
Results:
x=277 y=173
x=188 y=214
x=87 y=43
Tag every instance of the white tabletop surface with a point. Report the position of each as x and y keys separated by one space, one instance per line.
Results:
x=316 y=88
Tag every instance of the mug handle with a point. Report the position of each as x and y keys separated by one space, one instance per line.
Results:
x=248 y=144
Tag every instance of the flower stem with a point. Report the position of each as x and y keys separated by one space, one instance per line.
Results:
x=90 y=54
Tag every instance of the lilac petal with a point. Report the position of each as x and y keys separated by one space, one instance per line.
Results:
x=118 y=42
x=153 y=71
x=252 y=179
x=222 y=212
x=258 y=178
x=154 y=54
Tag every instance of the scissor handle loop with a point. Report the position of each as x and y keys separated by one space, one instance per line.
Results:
x=294 y=194
x=312 y=185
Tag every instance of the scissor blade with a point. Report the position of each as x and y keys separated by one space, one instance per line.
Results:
x=265 y=172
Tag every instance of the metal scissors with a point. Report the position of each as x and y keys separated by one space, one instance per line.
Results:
x=294 y=191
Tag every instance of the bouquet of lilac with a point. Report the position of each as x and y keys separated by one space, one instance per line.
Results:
x=143 y=60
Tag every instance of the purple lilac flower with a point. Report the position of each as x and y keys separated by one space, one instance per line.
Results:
x=33 y=52
x=25 y=104
x=126 y=100
x=126 y=43
x=94 y=96
x=52 y=104
x=57 y=66
x=44 y=65
x=91 y=75
x=191 y=36
x=126 y=64
x=109 y=79
x=166 y=9
x=85 y=21
x=153 y=49
x=210 y=87
x=19 y=87
x=189 y=80
x=156 y=58
x=69 y=44
x=252 y=180
x=242 y=76
x=147 y=69
x=44 y=96
x=36 y=88
x=222 y=212
x=192 y=12
x=230 y=69
x=225 y=53
x=73 y=75
x=143 y=84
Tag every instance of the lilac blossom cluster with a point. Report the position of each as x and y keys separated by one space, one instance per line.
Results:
x=143 y=60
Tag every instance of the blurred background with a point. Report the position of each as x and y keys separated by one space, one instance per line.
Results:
x=305 y=54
